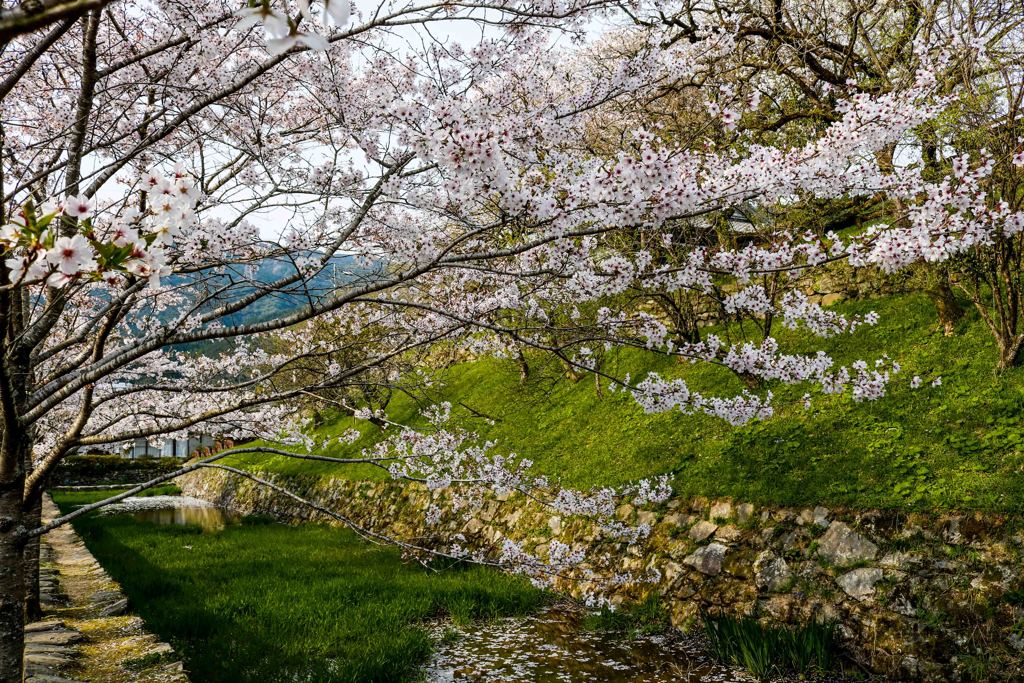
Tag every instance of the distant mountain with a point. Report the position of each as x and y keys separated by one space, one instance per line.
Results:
x=340 y=272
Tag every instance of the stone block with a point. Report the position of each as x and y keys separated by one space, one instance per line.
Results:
x=842 y=546
x=702 y=530
x=744 y=513
x=707 y=559
x=721 y=510
x=860 y=583
x=771 y=573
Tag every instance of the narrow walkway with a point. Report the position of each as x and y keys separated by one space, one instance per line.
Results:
x=87 y=634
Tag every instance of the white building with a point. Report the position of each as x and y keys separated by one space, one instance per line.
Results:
x=170 y=448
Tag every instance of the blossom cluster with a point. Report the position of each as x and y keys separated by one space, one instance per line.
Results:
x=68 y=241
x=456 y=462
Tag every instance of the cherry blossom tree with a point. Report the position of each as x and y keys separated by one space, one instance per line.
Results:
x=408 y=190
x=985 y=130
x=793 y=55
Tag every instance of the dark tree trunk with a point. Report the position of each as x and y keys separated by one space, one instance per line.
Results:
x=750 y=381
x=683 y=316
x=12 y=580
x=33 y=520
x=688 y=328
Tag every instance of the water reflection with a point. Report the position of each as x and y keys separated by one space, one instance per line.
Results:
x=179 y=510
x=553 y=648
x=208 y=518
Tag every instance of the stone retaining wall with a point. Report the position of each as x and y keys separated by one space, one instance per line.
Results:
x=106 y=470
x=918 y=597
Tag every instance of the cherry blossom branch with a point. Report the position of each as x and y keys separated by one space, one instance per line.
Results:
x=30 y=17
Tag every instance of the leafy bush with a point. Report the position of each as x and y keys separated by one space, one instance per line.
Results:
x=163 y=490
x=102 y=464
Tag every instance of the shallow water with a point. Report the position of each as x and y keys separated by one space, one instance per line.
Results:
x=553 y=648
x=178 y=510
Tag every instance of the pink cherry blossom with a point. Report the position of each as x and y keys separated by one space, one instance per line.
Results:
x=71 y=255
x=78 y=207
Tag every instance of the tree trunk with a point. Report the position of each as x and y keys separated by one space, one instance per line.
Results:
x=571 y=373
x=949 y=309
x=684 y=319
x=33 y=520
x=12 y=581
x=750 y=381
x=1010 y=353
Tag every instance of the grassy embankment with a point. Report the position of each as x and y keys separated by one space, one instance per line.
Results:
x=960 y=445
x=265 y=602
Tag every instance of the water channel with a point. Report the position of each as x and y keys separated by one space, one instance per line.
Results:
x=553 y=647
x=179 y=510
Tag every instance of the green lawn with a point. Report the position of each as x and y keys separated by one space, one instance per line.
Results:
x=265 y=602
x=960 y=445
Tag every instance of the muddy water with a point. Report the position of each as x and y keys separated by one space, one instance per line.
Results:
x=552 y=647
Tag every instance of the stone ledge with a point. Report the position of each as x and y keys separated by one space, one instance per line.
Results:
x=86 y=634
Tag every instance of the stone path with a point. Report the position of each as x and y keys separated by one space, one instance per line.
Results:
x=87 y=634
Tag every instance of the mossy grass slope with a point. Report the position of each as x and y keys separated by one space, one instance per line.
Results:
x=956 y=446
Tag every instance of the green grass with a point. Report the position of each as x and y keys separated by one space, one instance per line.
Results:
x=960 y=445
x=634 y=620
x=767 y=651
x=162 y=490
x=265 y=602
